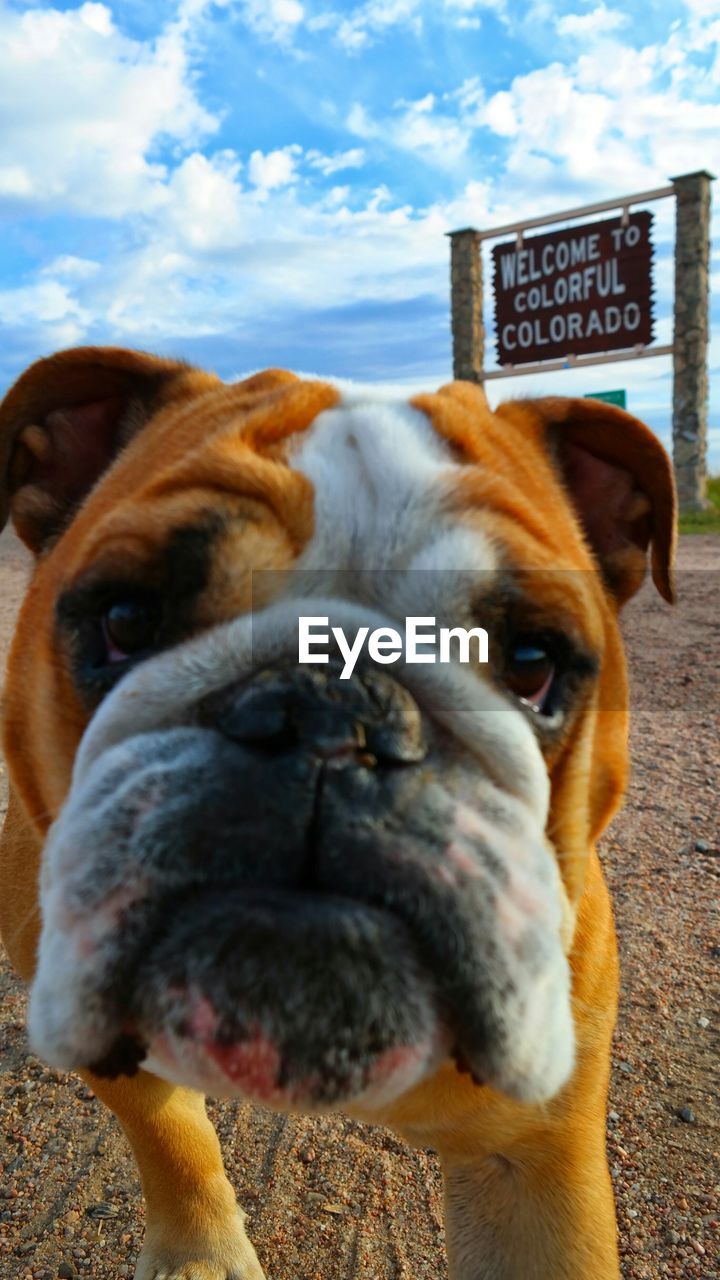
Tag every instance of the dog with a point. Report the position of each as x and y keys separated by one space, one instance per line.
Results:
x=227 y=871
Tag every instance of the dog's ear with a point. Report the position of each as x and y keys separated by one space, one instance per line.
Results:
x=64 y=421
x=621 y=482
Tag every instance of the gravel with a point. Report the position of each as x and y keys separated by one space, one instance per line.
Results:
x=329 y=1199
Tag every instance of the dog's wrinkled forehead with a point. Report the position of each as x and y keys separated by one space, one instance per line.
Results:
x=383 y=481
x=97 y=441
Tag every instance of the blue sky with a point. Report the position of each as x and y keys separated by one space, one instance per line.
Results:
x=254 y=182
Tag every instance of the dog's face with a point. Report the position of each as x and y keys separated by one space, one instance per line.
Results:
x=264 y=879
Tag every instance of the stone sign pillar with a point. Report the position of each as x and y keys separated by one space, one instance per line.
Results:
x=466 y=284
x=690 y=337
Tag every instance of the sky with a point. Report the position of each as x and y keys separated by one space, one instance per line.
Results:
x=245 y=183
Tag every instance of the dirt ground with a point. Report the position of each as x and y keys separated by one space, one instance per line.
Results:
x=331 y=1200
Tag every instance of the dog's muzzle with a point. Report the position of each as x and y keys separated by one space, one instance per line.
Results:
x=367 y=719
x=307 y=897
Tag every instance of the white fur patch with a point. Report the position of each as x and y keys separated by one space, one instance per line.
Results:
x=380 y=473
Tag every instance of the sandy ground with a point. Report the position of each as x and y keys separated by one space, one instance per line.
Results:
x=331 y=1200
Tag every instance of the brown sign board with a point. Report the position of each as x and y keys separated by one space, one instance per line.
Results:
x=574 y=292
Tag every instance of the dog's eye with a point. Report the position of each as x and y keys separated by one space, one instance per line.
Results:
x=530 y=672
x=129 y=627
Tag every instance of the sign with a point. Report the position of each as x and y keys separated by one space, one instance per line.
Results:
x=574 y=292
x=610 y=397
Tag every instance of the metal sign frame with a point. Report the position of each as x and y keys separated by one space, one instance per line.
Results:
x=571 y=361
x=690 y=317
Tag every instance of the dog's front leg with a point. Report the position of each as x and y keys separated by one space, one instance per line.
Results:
x=545 y=1213
x=195 y=1228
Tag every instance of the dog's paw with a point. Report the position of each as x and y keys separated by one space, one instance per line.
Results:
x=197 y=1268
x=231 y=1257
x=198 y=1271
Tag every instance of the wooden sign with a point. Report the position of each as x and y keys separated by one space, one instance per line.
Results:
x=574 y=292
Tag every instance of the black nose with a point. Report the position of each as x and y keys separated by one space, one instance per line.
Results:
x=368 y=717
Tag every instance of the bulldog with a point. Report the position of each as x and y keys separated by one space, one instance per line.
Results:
x=227 y=871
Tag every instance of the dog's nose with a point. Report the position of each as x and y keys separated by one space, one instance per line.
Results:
x=368 y=718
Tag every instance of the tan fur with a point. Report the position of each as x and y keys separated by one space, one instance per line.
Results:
x=528 y=1190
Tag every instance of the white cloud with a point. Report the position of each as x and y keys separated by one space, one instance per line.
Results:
x=465 y=14
x=49 y=310
x=553 y=119
x=200 y=273
x=702 y=8
x=98 y=18
x=701 y=35
x=288 y=11
x=358 y=29
x=606 y=123
x=365 y=23
x=202 y=203
x=499 y=115
x=354 y=158
x=274 y=169
x=82 y=140
x=469 y=6
x=587 y=26
x=416 y=127
x=277 y=19
x=470 y=96
x=617 y=70
x=68 y=267
x=15 y=181
x=337 y=196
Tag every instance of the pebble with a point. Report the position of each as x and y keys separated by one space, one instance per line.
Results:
x=703 y=1022
x=701 y=846
x=101 y=1209
x=627 y=1067
x=66 y=1271
x=687 y=1114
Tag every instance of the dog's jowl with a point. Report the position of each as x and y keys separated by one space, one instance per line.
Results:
x=370 y=888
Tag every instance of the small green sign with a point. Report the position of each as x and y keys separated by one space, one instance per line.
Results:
x=610 y=397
